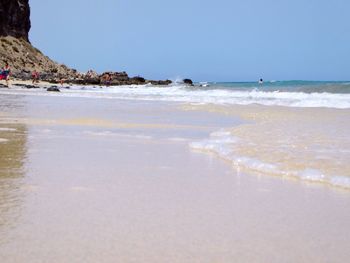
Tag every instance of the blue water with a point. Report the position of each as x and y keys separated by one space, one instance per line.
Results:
x=337 y=87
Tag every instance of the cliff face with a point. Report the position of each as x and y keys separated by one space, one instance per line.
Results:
x=24 y=58
x=15 y=18
x=15 y=47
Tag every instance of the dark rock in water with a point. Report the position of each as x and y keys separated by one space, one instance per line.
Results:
x=138 y=80
x=26 y=86
x=188 y=82
x=15 y=18
x=54 y=89
x=30 y=86
x=160 y=82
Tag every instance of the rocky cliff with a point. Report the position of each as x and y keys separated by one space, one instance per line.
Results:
x=15 y=47
x=15 y=18
x=23 y=58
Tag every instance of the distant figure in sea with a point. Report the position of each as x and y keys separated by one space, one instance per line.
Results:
x=5 y=74
x=35 y=77
x=261 y=81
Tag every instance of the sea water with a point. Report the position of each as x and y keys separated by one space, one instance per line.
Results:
x=294 y=129
x=275 y=93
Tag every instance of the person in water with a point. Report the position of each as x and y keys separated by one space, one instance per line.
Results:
x=5 y=74
x=261 y=81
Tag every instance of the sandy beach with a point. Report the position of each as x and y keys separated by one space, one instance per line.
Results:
x=174 y=131
x=98 y=180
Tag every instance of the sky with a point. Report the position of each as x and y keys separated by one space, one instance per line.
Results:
x=206 y=40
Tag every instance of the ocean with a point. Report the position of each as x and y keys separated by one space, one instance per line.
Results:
x=272 y=93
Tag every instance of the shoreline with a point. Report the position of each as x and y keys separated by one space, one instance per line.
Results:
x=268 y=122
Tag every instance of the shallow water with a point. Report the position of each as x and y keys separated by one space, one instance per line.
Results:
x=307 y=144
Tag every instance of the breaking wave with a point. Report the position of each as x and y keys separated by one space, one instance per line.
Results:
x=223 y=145
x=201 y=95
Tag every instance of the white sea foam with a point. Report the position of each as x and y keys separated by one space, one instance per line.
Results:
x=2 y=140
x=340 y=181
x=177 y=139
x=180 y=93
x=223 y=145
x=311 y=175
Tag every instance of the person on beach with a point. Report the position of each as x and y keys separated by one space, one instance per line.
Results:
x=5 y=74
x=35 y=77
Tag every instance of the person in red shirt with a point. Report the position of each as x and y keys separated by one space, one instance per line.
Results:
x=5 y=74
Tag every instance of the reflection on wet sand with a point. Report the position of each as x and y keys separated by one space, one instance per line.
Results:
x=12 y=150
x=12 y=159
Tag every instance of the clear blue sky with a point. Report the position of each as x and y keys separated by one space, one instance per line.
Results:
x=222 y=40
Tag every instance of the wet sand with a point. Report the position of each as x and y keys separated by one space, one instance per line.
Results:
x=85 y=180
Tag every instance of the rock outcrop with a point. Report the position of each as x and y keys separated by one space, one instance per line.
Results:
x=15 y=18
x=188 y=82
x=106 y=79
x=53 y=89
